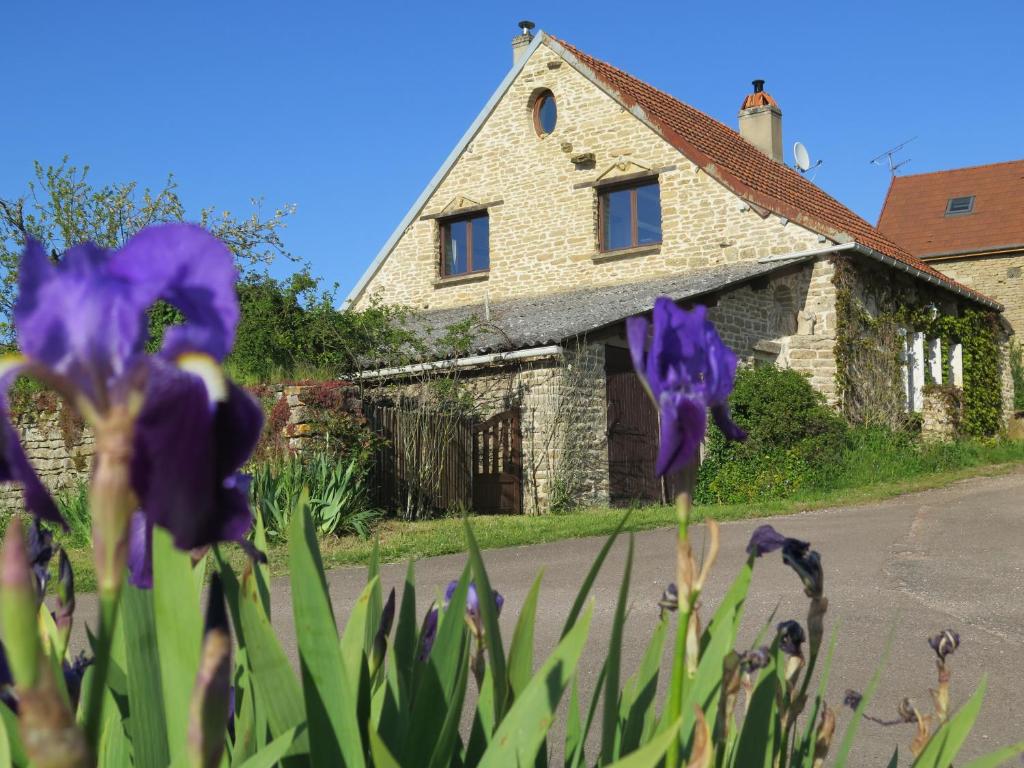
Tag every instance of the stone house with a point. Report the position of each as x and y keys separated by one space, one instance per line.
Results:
x=580 y=194
x=968 y=222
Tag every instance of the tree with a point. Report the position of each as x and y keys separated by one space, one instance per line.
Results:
x=63 y=208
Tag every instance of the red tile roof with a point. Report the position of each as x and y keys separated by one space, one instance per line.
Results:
x=726 y=156
x=915 y=210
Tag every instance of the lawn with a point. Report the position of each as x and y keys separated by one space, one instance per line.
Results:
x=403 y=540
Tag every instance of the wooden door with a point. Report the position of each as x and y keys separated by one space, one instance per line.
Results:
x=632 y=434
x=498 y=464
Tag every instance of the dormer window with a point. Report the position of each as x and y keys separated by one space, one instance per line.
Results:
x=958 y=205
x=630 y=215
x=465 y=245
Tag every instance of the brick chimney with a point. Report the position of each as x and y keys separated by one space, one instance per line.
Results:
x=761 y=122
x=522 y=41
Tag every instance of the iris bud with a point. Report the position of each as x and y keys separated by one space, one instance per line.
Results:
x=18 y=607
x=380 y=640
x=944 y=643
x=208 y=713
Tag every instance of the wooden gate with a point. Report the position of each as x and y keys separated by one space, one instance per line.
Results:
x=498 y=464
x=423 y=460
x=632 y=434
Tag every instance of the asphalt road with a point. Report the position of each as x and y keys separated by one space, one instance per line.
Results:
x=949 y=558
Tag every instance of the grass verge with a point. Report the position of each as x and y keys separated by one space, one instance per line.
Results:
x=444 y=536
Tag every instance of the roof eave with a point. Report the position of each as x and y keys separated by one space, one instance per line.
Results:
x=956 y=288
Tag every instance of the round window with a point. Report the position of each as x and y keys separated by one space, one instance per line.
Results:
x=545 y=113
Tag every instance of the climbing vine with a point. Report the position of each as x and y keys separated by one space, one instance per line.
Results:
x=869 y=360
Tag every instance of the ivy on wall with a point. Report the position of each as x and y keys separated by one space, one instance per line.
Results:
x=869 y=348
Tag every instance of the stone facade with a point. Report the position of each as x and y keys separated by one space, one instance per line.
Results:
x=563 y=420
x=789 y=320
x=1001 y=277
x=543 y=223
x=60 y=451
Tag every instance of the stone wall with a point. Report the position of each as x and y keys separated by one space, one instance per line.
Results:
x=788 y=319
x=562 y=404
x=59 y=449
x=543 y=223
x=940 y=414
x=998 y=277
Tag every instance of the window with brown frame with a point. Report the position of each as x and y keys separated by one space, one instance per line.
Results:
x=465 y=245
x=629 y=215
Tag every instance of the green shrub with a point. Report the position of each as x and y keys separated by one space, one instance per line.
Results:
x=73 y=504
x=794 y=438
x=1017 y=370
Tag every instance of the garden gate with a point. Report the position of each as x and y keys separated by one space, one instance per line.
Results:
x=498 y=464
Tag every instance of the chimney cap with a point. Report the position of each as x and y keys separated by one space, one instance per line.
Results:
x=526 y=25
x=759 y=98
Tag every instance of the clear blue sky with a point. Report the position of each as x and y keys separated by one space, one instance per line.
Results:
x=347 y=109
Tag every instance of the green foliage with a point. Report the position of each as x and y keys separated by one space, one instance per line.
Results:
x=978 y=332
x=794 y=439
x=73 y=504
x=1017 y=370
x=869 y=348
x=336 y=488
x=798 y=447
x=375 y=694
x=63 y=207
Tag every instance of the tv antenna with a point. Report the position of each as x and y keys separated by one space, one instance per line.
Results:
x=889 y=156
x=802 y=158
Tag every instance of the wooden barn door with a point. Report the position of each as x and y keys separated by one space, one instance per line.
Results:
x=498 y=464
x=632 y=434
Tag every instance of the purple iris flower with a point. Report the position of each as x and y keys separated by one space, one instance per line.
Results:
x=473 y=603
x=687 y=370
x=40 y=551
x=428 y=633
x=82 y=329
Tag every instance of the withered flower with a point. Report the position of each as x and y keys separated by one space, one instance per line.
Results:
x=669 y=600
x=944 y=643
x=852 y=699
x=796 y=553
x=766 y=539
x=791 y=637
x=756 y=658
x=807 y=564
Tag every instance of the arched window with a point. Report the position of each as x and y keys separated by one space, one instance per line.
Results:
x=784 y=311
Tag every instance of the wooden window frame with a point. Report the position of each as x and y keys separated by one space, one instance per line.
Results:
x=632 y=186
x=468 y=218
x=545 y=94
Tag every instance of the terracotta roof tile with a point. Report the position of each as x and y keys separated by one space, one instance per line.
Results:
x=914 y=213
x=725 y=155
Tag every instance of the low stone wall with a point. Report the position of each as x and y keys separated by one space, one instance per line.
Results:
x=940 y=414
x=61 y=448
x=58 y=447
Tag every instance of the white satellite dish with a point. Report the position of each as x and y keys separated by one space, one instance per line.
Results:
x=801 y=157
